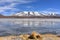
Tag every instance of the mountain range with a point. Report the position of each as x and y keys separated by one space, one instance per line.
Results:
x=25 y=13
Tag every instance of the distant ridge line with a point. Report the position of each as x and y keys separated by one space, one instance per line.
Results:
x=29 y=16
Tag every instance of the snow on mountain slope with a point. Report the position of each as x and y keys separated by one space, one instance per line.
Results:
x=25 y=13
x=37 y=13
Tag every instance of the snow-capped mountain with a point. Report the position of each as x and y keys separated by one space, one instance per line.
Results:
x=25 y=13
x=49 y=13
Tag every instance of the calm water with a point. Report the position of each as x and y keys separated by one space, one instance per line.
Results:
x=23 y=26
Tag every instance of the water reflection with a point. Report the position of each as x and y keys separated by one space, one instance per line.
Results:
x=15 y=27
x=35 y=23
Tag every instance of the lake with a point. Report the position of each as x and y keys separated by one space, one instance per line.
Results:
x=14 y=26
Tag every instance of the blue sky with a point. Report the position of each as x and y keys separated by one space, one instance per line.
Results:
x=8 y=7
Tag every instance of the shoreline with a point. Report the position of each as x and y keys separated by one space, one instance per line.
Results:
x=30 y=19
x=29 y=16
x=32 y=36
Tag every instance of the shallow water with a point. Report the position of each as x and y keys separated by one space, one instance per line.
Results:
x=22 y=26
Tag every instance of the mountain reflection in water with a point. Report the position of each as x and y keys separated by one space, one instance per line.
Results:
x=22 y=26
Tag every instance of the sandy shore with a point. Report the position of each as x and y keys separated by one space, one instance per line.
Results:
x=34 y=37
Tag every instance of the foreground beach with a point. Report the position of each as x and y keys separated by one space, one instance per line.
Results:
x=32 y=36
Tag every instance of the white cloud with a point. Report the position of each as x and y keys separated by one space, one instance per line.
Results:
x=8 y=7
x=12 y=5
x=51 y=10
x=16 y=1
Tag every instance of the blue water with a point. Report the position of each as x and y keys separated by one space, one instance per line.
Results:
x=23 y=26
